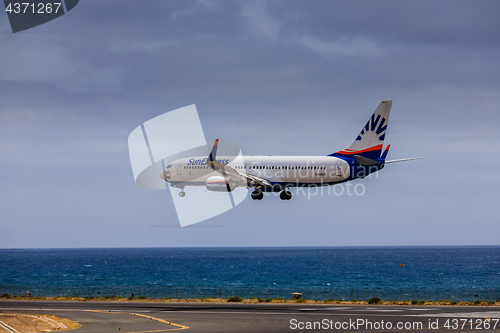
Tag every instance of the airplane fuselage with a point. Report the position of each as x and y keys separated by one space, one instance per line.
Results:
x=285 y=171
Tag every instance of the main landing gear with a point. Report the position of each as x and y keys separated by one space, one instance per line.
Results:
x=182 y=194
x=257 y=194
x=285 y=195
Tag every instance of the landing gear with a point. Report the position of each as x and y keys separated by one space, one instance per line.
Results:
x=182 y=194
x=286 y=195
x=257 y=194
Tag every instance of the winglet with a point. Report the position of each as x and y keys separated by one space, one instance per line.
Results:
x=213 y=154
x=384 y=155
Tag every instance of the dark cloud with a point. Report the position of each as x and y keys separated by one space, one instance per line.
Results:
x=278 y=77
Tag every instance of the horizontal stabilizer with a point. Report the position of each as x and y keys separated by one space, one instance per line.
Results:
x=405 y=159
x=386 y=151
x=365 y=161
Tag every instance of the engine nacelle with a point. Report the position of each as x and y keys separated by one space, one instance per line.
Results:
x=219 y=184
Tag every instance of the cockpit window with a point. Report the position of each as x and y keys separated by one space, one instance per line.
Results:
x=169 y=166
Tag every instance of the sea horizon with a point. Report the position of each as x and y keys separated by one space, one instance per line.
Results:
x=262 y=267
x=249 y=247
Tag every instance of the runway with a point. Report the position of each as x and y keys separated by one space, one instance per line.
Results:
x=145 y=317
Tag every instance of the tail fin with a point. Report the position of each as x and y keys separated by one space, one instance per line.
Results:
x=370 y=140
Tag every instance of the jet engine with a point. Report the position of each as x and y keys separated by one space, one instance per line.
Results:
x=220 y=184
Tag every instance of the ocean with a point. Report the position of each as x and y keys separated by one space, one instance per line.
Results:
x=308 y=267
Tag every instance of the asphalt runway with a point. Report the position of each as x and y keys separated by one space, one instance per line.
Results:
x=145 y=317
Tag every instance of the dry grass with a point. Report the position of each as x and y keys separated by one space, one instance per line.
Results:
x=255 y=300
x=28 y=322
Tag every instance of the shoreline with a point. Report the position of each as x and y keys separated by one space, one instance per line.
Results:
x=238 y=300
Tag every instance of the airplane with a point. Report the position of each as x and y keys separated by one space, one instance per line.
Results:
x=280 y=173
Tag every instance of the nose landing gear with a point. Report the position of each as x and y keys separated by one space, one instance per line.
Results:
x=182 y=194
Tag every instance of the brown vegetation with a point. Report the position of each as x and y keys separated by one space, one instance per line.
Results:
x=27 y=322
x=259 y=300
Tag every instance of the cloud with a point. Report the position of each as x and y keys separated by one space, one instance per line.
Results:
x=259 y=20
x=275 y=77
x=357 y=46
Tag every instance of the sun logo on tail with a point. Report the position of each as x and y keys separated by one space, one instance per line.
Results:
x=374 y=125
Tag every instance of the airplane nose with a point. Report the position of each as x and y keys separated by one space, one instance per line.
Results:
x=165 y=175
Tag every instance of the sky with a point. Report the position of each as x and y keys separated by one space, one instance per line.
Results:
x=274 y=77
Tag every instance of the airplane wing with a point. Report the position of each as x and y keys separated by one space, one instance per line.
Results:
x=405 y=159
x=231 y=173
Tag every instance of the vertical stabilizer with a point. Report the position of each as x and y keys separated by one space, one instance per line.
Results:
x=370 y=140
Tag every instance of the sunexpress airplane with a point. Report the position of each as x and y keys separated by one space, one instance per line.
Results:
x=279 y=173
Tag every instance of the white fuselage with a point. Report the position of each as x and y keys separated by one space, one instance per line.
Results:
x=290 y=170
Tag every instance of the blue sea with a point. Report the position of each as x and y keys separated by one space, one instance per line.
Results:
x=309 y=267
